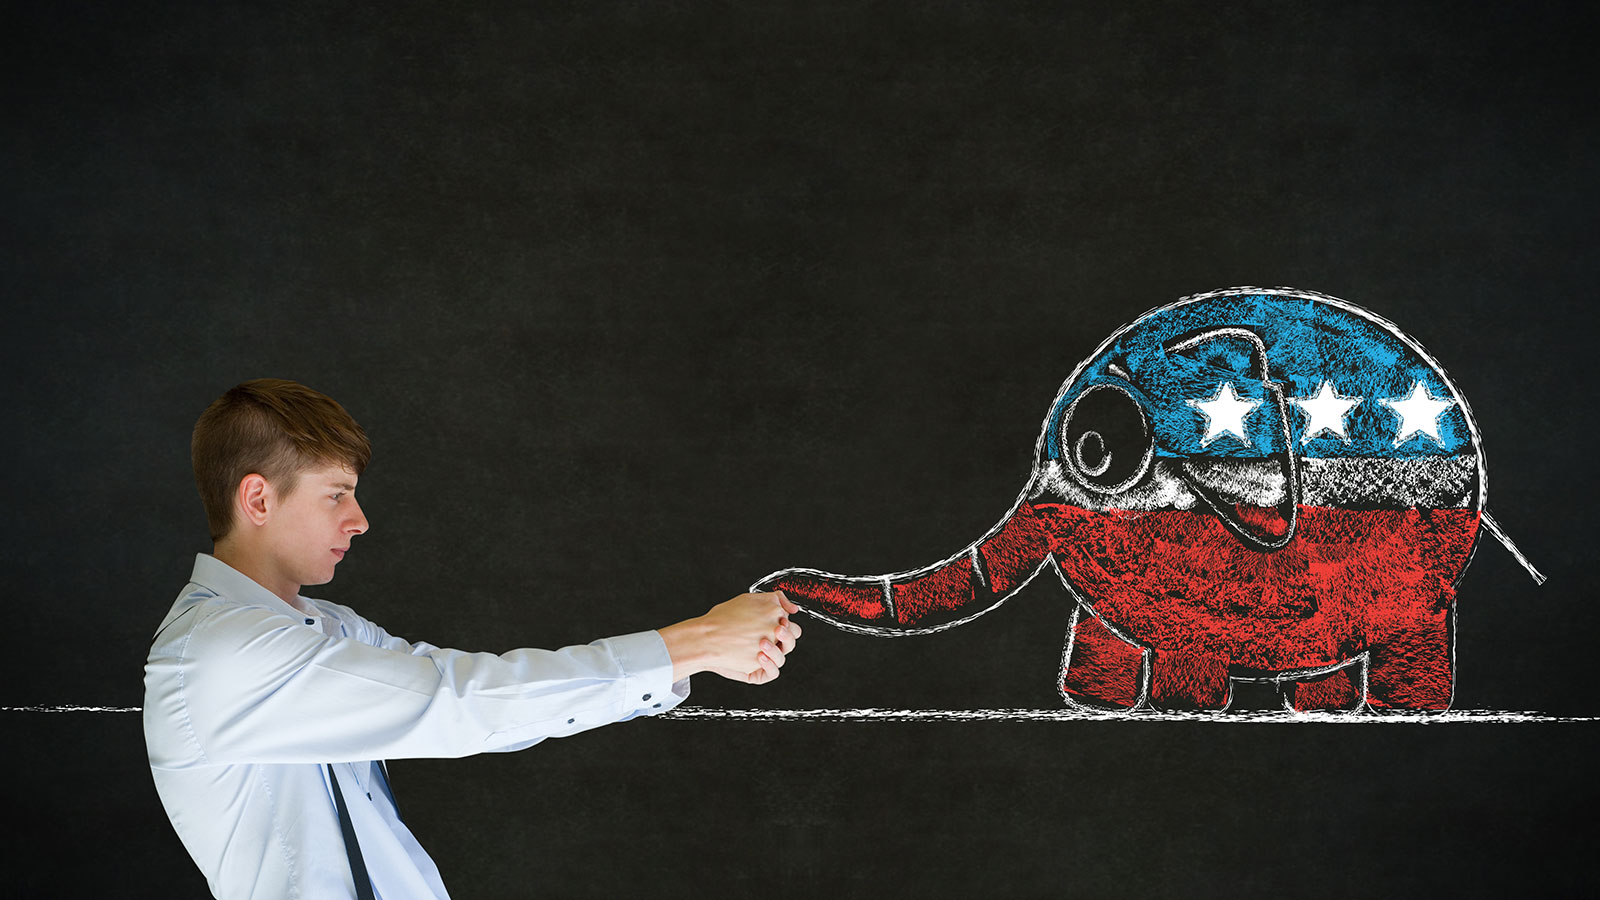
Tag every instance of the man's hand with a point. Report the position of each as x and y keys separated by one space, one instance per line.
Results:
x=745 y=639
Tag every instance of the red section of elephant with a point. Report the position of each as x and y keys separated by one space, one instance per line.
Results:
x=1102 y=669
x=1411 y=666
x=1179 y=581
x=853 y=599
x=1206 y=605
x=1335 y=691
x=1351 y=581
x=954 y=590
x=1265 y=521
x=936 y=597
x=1014 y=553
x=1186 y=679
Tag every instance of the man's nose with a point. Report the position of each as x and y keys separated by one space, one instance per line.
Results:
x=358 y=522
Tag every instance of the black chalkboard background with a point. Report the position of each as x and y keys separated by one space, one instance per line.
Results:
x=641 y=302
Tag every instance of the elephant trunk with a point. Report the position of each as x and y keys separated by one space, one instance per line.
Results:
x=935 y=597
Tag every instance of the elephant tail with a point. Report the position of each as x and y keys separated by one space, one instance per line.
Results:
x=935 y=597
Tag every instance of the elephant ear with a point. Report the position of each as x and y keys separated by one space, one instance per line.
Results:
x=1236 y=353
x=1106 y=441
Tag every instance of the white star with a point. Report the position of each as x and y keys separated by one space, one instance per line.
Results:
x=1225 y=414
x=1419 y=414
x=1325 y=412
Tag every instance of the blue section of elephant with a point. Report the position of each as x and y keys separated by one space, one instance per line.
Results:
x=1307 y=342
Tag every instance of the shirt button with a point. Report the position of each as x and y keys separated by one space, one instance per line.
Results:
x=570 y=721
x=647 y=696
x=369 y=795
x=657 y=706
x=309 y=622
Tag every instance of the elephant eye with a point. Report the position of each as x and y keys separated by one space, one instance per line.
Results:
x=1105 y=439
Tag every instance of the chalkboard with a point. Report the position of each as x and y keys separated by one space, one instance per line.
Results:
x=641 y=302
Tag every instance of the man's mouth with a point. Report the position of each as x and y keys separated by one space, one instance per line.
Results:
x=339 y=553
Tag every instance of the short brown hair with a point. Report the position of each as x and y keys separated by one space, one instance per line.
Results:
x=275 y=428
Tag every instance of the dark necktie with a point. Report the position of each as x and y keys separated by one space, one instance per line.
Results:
x=358 y=868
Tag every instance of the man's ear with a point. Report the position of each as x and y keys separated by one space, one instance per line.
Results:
x=252 y=499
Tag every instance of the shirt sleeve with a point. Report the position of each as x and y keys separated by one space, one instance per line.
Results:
x=259 y=686
x=377 y=635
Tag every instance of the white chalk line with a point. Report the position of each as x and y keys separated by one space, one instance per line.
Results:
x=1081 y=715
x=1032 y=715
x=72 y=709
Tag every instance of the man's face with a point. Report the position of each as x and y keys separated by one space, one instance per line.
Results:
x=310 y=529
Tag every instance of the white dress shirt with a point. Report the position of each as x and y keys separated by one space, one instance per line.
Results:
x=246 y=697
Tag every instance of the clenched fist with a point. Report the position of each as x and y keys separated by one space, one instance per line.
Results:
x=744 y=639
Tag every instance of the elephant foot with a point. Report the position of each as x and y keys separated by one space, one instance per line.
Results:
x=1187 y=680
x=1337 y=691
x=1413 y=668
x=1102 y=671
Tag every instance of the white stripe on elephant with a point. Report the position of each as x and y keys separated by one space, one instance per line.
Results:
x=1430 y=482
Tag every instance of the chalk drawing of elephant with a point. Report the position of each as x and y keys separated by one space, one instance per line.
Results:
x=1247 y=484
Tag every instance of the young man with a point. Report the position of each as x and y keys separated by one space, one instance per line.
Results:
x=267 y=712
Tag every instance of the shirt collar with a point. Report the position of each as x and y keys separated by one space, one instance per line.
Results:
x=224 y=579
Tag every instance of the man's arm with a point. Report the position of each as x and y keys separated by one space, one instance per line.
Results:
x=745 y=639
x=251 y=685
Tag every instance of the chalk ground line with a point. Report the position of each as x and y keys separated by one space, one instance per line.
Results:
x=885 y=714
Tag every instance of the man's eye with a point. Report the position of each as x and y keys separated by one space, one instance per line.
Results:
x=337 y=496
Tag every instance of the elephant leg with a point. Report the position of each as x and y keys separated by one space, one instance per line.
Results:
x=1184 y=679
x=1102 y=671
x=1413 y=666
x=1337 y=691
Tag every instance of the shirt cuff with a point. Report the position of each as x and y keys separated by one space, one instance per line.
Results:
x=648 y=688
